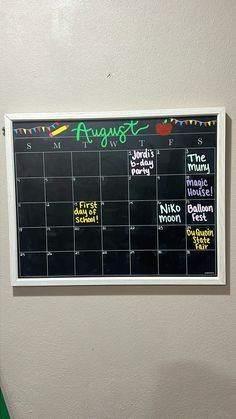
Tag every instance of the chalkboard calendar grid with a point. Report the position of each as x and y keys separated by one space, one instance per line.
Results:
x=137 y=212
x=44 y=195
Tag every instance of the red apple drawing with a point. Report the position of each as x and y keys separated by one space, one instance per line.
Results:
x=163 y=128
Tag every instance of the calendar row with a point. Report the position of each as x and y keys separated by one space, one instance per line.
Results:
x=115 y=188
x=115 y=263
x=116 y=213
x=105 y=163
x=116 y=238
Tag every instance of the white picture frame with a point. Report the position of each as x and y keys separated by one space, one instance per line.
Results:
x=220 y=279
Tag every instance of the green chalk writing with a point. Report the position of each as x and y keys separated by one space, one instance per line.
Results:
x=121 y=131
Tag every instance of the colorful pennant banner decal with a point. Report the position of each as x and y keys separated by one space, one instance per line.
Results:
x=33 y=130
x=192 y=122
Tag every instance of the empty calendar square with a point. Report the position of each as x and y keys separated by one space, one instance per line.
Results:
x=144 y=263
x=171 y=162
x=143 y=238
x=142 y=213
x=202 y=263
x=33 y=264
x=115 y=238
x=31 y=190
x=58 y=164
x=115 y=213
x=29 y=164
x=87 y=189
x=58 y=189
x=31 y=215
x=59 y=214
x=89 y=263
x=60 y=238
x=88 y=238
x=171 y=187
x=172 y=263
x=61 y=264
x=85 y=163
x=32 y=239
x=142 y=188
x=114 y=189
x=116 y=263
x=114 y=163
x=172 y=237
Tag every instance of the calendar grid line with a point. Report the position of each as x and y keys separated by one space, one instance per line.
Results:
x=157 y=198
x=130 y=264
x=45 y=209
x=72 y=178
x=215 y=214
x=124 y=200
x=18 y=219
x=100 y=184
x=110 y=151
x=109 y=275
x=116 y=176
x=127 y=135
x=114 y=250
x=114 y=225
x=186 y=237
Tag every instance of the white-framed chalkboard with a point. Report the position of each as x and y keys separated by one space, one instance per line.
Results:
x=117 y=198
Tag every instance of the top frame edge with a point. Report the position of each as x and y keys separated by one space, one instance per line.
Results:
x=115 y=114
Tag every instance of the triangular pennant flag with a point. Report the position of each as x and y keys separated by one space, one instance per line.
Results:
x=186 y=122
x=53 y=126
x=205 y=124
x=24 y=129
x=21 y=130
x=190 y=121
x=16 y=131
x=176 y=121
x=181 y=123
x=172 y=119
x=49 y=128
x=43 y=128
x=30 y=130
x=213 y=122
x=34 y=129
x=200 y=123
x=56 y=123
x=209 y=123
x=195 y=122
x=38 y=129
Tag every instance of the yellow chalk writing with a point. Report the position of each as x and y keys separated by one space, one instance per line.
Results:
x=201 y=239
x=86 y=212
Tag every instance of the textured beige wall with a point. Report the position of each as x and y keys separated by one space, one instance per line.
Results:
x=119 y=352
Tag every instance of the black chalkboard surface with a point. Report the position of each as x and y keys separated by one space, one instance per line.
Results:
x=124 y=199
